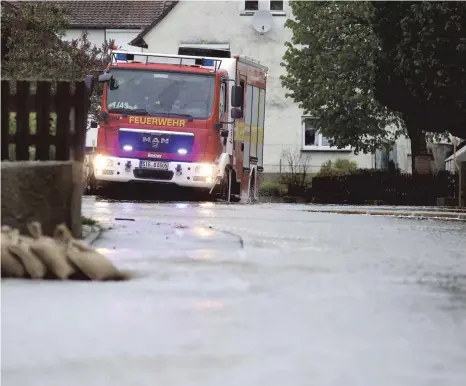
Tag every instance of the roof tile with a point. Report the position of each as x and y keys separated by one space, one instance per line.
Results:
x=112 y=14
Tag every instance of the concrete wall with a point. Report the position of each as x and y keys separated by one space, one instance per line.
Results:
x=48 y=192
x=225 y=22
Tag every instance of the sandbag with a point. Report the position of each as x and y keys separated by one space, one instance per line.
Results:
x=10 y=265
x=62 y=235
x=52 y=254
x=90 y=262
x=33 y=265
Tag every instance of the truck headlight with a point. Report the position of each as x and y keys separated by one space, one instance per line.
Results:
x=101 y=162
x=205 y=170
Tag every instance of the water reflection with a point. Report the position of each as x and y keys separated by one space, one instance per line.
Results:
x=206 y=205
x=209 y=304
x=204 y=254
x=203 y=232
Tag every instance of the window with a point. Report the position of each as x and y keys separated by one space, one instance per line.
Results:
x=251 y=5
x=313 y=139
x=223 y=99
x=276 y=8
x=161 y=93
x=276 y=5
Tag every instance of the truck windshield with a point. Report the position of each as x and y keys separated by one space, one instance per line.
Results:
x=164 y=93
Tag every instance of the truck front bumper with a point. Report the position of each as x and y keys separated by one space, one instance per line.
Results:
x=186 y=174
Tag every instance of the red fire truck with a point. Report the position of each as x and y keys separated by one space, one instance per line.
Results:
x=193 y=121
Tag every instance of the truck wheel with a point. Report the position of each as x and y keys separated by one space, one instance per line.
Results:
x=225 y=186
x=252 y=188
x=91 y=184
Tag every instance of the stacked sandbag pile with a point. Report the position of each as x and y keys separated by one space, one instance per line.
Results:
x=61 y=257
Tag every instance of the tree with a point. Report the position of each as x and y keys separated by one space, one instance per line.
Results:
x=421 y=68
x=331 y=68
x=32 y=36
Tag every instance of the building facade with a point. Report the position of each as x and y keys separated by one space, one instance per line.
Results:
x=230 y=24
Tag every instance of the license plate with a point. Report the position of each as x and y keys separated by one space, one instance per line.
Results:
x=154 y=165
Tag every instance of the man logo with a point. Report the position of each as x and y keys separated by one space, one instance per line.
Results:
x=155 y=141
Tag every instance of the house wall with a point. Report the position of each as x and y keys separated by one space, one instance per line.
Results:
x=95 y=36
x=225 y=22
x=98 y=36
x=403 y=154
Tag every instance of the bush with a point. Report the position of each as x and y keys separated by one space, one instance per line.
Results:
x=296 y=175
x=393 y=188
x=270 y=189
x=340 y=167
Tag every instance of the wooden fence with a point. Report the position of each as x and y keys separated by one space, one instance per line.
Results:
x=69 y=104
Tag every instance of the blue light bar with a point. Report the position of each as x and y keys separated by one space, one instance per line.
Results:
x=208 y=62
x=121 y=57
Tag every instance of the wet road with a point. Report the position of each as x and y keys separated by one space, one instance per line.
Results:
x=248 y=295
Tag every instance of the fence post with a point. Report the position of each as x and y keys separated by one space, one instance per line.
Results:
x=43 y=122
x=22 y=121
x=78 y=125
x=5 y=119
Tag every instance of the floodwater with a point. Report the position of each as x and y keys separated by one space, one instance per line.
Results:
x=266 y=294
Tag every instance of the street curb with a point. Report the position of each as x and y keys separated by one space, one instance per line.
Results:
x=93 y=233
x=415 y=214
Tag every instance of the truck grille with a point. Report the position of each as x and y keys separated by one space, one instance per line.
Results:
x=165 y=175
x=156 y=141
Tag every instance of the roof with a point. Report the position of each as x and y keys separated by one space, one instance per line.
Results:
x=124 y=14
x=138 y=41
x=460 y=154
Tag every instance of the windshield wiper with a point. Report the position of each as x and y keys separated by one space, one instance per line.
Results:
x=129 y=111
x=168 y=114
x=180 y=115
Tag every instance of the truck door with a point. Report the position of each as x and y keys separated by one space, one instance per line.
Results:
x=240 y=128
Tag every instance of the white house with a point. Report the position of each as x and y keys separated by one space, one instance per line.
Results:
x=229 y=24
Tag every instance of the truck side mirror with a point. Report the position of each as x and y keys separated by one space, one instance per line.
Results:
x=105 y=77
x=236 y=96
x=236 y=113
